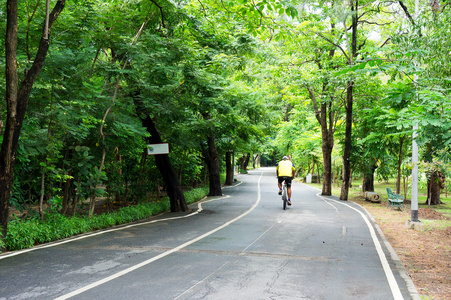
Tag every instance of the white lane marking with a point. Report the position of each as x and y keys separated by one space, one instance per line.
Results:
x=394 y=287
x=344 y=231
x=336 y=209
x=88 y=235
x=266 y=231
x=144 y=263
x=232 y=186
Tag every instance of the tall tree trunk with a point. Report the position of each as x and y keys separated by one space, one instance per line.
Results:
x=164 y=165
x=229 y=168
x=7 y=154
x=347 y=146
x=368 y=179
x=17 y=100
x=212 y=160
x=436 y=182
x=76 y=197
x=41 y=196
x=246 y=161
x=240 y=163
x=66 y=194
x=319 y=172
x=287 y=112
x=400 y=157
x=43 y=172
x=327 y=147
x=67 y=186
x=324 y=116
x=327 y=175
x=255 y=161
x=349 y=102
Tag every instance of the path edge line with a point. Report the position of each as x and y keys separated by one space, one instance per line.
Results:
x=413 y=292
x=184 y=245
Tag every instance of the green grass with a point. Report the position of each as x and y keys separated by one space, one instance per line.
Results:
x=436 y=224
x=445 y=209
x=380 y=187
x=353 y=192
x=24 y=234
x=426 y=297
x=222 y=177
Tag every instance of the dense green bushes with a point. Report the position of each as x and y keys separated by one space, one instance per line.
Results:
x=2 y=244
x=24 y=234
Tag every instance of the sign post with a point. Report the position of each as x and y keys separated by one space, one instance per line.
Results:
x=154 y=149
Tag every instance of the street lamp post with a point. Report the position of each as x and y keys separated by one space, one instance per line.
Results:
x=414 y=223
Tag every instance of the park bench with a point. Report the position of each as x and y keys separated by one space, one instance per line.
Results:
x=395 y=200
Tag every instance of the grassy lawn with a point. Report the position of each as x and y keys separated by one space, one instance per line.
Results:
x=355 y=193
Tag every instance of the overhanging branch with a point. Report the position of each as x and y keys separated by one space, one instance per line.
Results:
x=406 y=11
x=161 y=12
x=336 y=45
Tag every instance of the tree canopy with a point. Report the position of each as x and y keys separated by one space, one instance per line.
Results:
x=338 y=85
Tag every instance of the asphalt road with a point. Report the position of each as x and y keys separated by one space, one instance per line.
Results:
x=239 y=246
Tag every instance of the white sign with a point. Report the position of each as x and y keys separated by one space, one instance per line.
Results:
x=155 y=149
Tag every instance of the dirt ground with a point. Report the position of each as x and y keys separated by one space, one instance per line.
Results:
x=426 y=255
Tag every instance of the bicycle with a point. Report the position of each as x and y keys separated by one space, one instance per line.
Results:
x=284 y=195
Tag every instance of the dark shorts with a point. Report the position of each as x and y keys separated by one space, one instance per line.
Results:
x=286 y=179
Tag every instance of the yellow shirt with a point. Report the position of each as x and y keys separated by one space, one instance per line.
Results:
x=285 y=168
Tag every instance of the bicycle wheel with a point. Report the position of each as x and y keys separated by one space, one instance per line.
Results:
x=284 y=196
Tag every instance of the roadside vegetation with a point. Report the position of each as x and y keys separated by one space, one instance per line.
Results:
x=356 y=195
x=343 y=87
x=30 y=232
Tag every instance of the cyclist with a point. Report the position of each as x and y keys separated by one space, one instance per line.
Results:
x=285 y=171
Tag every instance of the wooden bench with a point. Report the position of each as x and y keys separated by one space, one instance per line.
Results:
x=395 y=200
x=373 y=197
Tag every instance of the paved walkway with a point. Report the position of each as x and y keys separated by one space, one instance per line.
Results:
x=240 y=246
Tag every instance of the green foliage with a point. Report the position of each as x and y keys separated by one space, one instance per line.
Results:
x=24 y=234
x=2 y=244
x=194 y=195
x=238 y=69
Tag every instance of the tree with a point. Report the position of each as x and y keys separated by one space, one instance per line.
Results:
x=211 y=157
x=175 y=193
x=327 y=118
x=17 y=97
x=341 y=57
x=352 y=47
x=427 y=42
x=214 y=78
x=229 y=168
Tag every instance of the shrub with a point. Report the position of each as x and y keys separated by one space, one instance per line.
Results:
x=196 y=194
x=2 y=244
x=24 y=234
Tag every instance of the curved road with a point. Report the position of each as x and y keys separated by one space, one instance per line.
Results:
x=239 y=246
